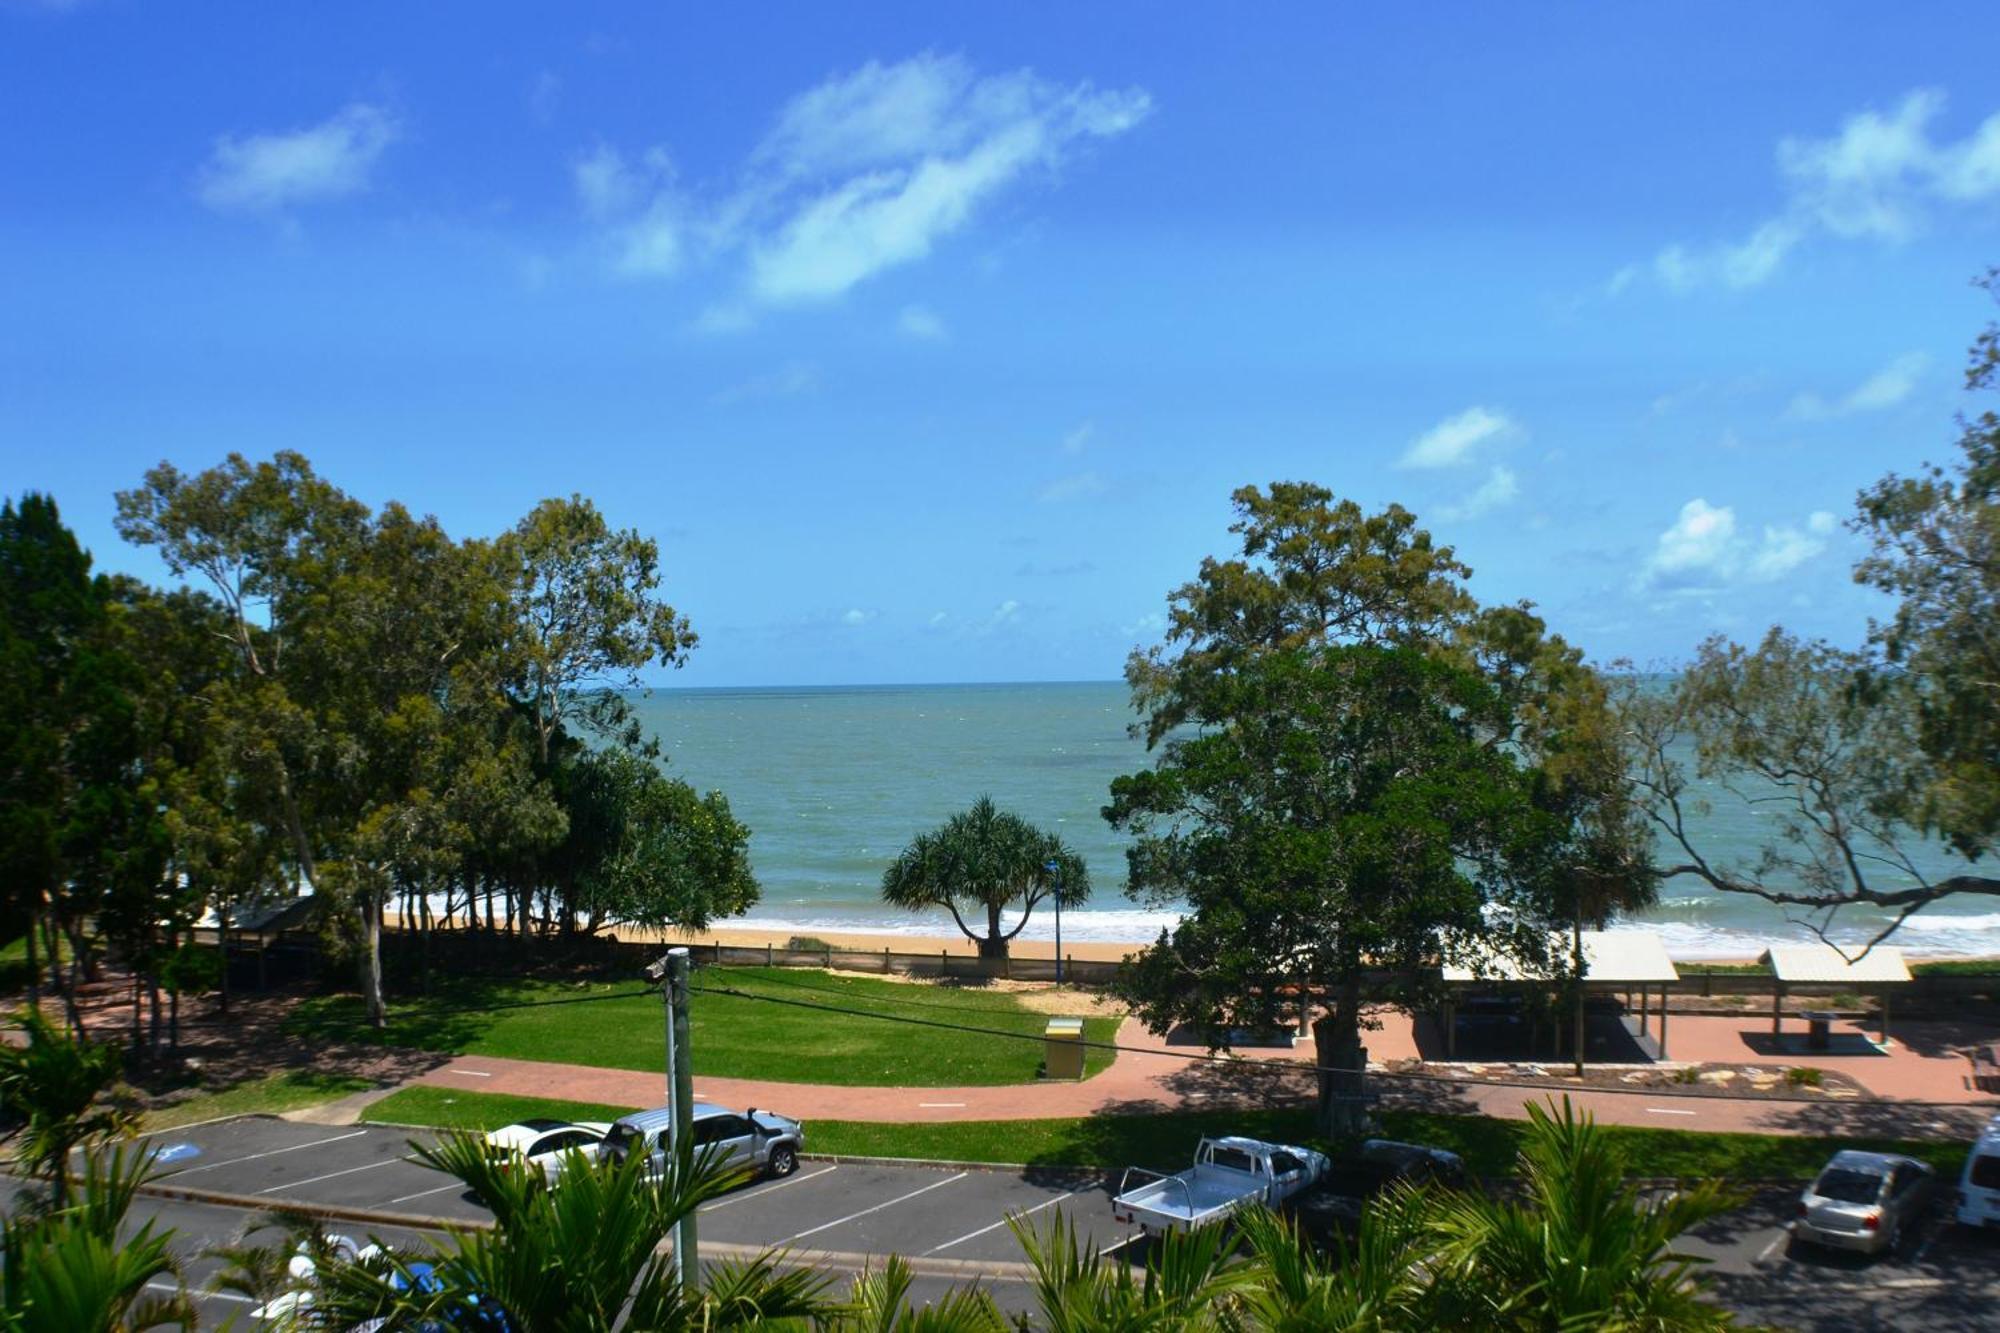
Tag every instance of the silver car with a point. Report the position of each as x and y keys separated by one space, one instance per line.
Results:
x=1864 y=1201
x=748 y=1140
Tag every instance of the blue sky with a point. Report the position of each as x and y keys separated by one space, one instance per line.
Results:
x=929 y=341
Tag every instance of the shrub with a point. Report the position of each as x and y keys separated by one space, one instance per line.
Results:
x=1804 y=1077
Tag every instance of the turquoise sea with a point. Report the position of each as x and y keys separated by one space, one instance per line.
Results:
x=833 y=781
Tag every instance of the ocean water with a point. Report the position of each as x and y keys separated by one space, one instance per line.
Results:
x=834 y=781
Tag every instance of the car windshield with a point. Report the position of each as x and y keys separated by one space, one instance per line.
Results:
x=1985 y=1173
x=1846 y=1185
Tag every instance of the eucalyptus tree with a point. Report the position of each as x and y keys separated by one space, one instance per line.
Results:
x=984 y=861
x=1358 y=769
x=266 y=538
x=1878 y=765
x=588 y=617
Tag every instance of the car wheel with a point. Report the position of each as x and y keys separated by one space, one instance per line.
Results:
x=1893 y=1241
x=784 y=1161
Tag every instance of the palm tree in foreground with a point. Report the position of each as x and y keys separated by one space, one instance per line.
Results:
x=75 y=1267
x=984 y=861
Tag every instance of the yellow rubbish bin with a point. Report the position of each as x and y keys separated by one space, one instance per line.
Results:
x=1064 y=1039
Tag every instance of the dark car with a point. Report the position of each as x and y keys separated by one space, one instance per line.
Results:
x=1334 y=1206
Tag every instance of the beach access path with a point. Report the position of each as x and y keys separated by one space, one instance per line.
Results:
x=1924 y=1079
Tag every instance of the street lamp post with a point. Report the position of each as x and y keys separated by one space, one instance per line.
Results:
x=1055 y=869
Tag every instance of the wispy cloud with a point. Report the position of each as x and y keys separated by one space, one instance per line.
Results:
x=871 y=169
x=1076 y=486
x=271 y=173
x=1702 y=550
x=1453 y=440
x=1884 y=389
x=922 y=323
x=1881 y=177
x=787 y=381
x=1075 y=440
x=1500 y=488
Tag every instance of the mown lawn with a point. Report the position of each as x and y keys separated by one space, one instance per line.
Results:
x=745 y=1023
x=287 y=1090
x=1164 y=1142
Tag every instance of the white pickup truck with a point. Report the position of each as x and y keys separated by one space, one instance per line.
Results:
x=1228 y=1174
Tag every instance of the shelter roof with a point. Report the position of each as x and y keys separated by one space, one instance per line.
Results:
x=1823 y=962
x=1609 y=956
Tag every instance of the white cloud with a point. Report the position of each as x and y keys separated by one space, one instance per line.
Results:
x=856 y=616
x=922 y=323
x=544 y=95
x=1077 y=486
x=1007 y=613
x=1880 y=177
x=1500 y=488
x=646 y=222
x=1702 y=550
x=1884 y=389
x=1452 y=440
x=268 y=173
x=787 y=381
x=871 y=169
x=1074 y=442
x=938 y=618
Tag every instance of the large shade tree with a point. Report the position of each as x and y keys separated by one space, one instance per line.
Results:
x=1358 y=769
x=983 y=862
x=1876 y=769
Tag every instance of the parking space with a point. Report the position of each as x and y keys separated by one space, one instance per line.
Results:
x=840 y=1208
x=1942 y=1277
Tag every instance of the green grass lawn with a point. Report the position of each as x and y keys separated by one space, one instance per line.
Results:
x=620 y=1025
x=1165 y=1142
x=287 y=1090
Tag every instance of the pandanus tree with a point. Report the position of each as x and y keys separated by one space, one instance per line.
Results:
x=982 y=862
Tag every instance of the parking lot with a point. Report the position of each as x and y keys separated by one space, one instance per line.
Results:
x=957 y=1218
x=953 y=1224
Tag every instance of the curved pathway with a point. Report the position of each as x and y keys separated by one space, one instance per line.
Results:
x=1151 y=1077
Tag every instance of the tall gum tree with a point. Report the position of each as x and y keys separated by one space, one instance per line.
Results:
x=1359 y=771
x=1876 y=769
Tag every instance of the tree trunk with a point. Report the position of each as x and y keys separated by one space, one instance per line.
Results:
x=371 y=959
x=995 y=943
x=34 y=968
x=222 y=944
x=1343 y=1061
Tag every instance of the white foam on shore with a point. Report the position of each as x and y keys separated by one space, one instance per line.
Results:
x=1940 y=936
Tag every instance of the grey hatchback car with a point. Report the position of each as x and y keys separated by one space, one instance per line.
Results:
x=751 y=1140
x=1864 y=1201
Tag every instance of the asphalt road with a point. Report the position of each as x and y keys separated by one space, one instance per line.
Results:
x=953 y=1225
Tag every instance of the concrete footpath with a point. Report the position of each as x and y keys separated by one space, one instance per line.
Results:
x=1922 y=1084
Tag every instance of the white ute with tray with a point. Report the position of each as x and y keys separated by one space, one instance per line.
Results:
x=1228 y=1174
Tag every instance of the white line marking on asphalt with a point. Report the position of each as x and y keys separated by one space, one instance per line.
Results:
x=470 y=1073
x=202 y=1295
x=1777 y=1240
x=1667 y=1110
x=273 y=1153
x=937 y=1105
x=891 y=1203
x=973 y=1235
x=314 y=1180
x=1909 y=1283
x=768 y=1189
x=425 y=1194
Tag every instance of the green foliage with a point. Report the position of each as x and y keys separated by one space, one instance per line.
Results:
x=983 y=861
x=286 y=1090
x=79 y=1268
x=1804 y=1076
x=1867 y=756
x=585 y=601
x=58 y=1087
x=1358 y=768
x=646 y=849
x=571 y=1258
